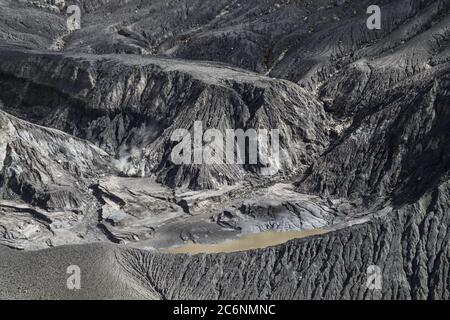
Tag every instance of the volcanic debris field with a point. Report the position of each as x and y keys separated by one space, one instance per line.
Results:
x=87 y=179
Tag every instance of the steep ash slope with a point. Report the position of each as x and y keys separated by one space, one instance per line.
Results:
x=26 y=26
x=398 y=148
x=37 y=165
x=45 y=179
x=364 y=125
x=327 y=48
x=130 y=106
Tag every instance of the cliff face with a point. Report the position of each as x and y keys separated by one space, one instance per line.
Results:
x=37 y=164
x=411 y=246
x=86 y=120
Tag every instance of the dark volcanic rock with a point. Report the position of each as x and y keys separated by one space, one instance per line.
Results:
x=411 y=246
x=398 y=148
x=364 y=129
x=130 y=106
